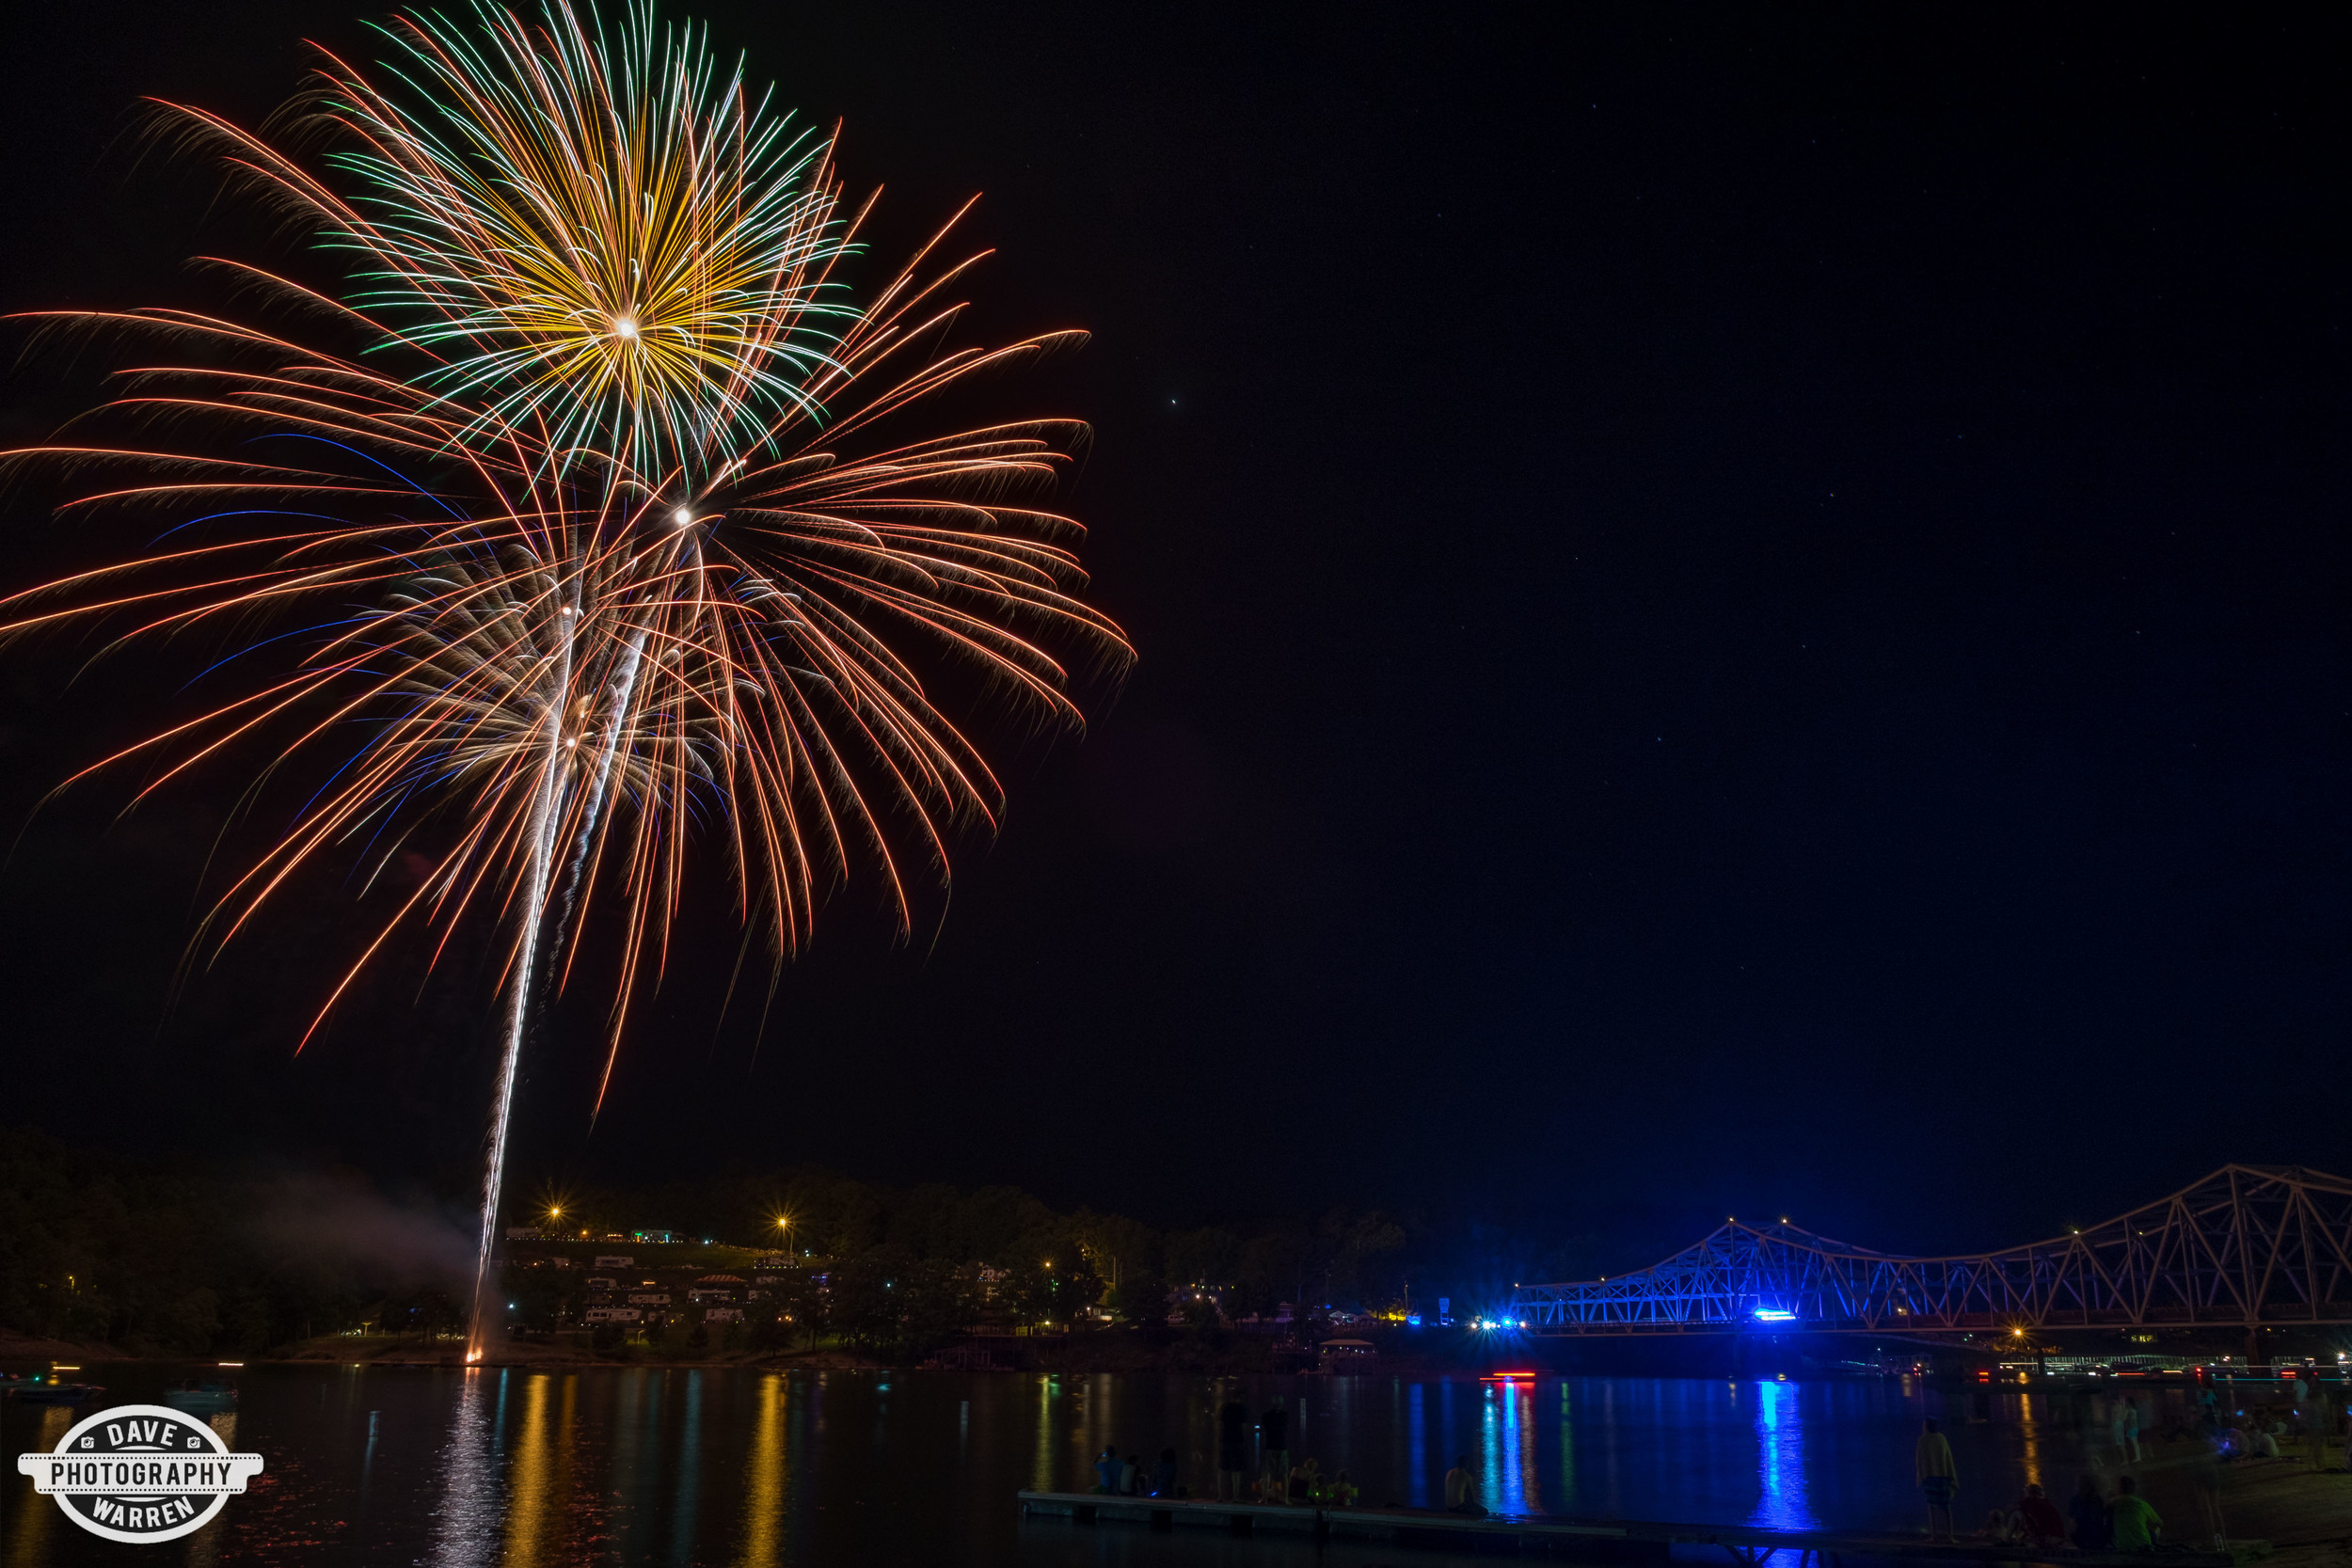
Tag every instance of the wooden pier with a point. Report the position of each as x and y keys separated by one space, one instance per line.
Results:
x=1619 y=1541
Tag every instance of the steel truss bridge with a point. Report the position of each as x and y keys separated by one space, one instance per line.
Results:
x=2249 y=1248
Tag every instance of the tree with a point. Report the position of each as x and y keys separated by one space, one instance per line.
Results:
x=1210 y=1256
x=1049 y=1280
x=1354 y=1249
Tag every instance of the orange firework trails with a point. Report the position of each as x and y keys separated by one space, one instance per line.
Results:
x=606 y=535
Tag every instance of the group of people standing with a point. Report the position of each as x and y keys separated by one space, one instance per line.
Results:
x=1271 y=1478
x=2094 y=1521
x=1276 y=1478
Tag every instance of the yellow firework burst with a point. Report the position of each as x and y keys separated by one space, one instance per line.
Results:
x=602 y=235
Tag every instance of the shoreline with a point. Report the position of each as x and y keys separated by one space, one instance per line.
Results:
x=1110 y=1353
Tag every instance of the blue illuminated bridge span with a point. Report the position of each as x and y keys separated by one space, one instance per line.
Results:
x=2249 y=1248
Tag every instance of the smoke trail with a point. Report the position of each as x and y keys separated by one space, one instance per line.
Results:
x=543 y=826
x=618 y=721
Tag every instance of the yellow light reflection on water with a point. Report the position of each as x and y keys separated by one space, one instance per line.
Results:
x=1041 y=1479
x=28 y=1541
x=2033 y=1442
x=765 y=1484
x=531 y=1485
x=204 y=1545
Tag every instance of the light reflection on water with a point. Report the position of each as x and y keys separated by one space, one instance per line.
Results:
x=1419 y=1486
x=1780 y=1460
x=1510 y=1479
x=527 y=1513
x=29 y=1532
x=747 y=1468
x=470 y=1496
x=686 y=1491
x=764 y=1473
x=1042 y=1475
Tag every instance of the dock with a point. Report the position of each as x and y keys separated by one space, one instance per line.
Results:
x=1616 y=1540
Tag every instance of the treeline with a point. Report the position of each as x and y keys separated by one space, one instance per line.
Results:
x=185 y=1258
x=195 y=1257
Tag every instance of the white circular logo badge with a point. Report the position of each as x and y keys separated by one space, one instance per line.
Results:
x=141 y=1472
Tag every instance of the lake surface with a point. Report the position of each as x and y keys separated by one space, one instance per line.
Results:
x=747 y=1468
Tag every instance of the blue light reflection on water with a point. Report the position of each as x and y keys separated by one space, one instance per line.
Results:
x=1491 y=1465
x=1530 y=1463
x=1567 y=1495
x=1420 y=1474
x=497 y=1422
x=1780 y=1460
x=1448 y=1449
x=1510 y=1475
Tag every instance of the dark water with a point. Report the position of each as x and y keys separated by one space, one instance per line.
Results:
x=749 y=1468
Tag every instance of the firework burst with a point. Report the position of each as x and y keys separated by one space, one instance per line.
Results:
x=604 y=236
x=568 y=607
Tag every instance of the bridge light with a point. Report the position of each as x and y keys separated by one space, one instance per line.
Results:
x=1775 y=1315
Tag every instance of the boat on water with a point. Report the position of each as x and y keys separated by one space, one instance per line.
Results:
x=39 y=1391
x=1347 y=1355
x=197 y=1397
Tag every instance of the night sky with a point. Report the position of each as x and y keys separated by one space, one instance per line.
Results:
x=1740 y=612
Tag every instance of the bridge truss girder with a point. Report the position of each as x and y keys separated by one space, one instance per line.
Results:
x=2248 y=1248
